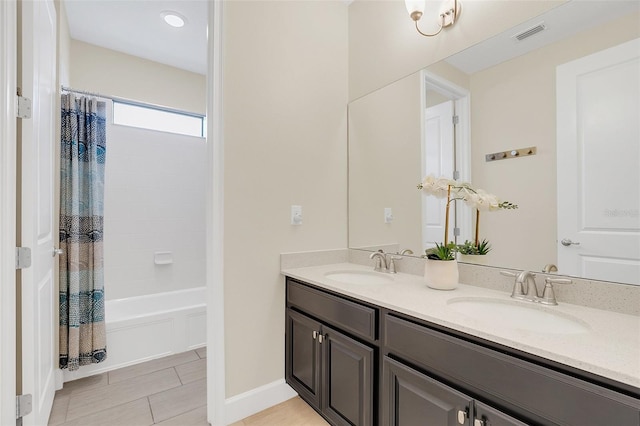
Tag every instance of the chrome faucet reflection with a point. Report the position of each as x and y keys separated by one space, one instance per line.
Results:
x=525 y=288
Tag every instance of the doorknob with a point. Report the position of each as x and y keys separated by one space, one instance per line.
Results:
x=57 y=251
x=567 y=242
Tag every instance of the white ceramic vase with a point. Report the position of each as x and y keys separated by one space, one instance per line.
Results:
x=441 y=274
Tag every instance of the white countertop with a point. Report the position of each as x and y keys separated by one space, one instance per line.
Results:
x=610 y=348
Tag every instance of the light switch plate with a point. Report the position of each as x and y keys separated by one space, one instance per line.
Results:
x=388 y=215
x=296 y=215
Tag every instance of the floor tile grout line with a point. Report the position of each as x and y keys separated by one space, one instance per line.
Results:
x=160 y=369
x=75 y=419
x=178 y=374
x=127 y=402
x=126 y=380
x=153 y=417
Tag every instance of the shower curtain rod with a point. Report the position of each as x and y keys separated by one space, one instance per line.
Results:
x=132 y=102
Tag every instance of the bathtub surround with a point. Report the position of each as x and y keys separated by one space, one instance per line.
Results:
x=605 y=295
x=82 y=168
x=154 y=202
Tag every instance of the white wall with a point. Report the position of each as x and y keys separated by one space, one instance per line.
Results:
x=154 y=201
x=285 y=97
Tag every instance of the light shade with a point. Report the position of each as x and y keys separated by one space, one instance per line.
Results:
x=173 y=18
x=415 y=6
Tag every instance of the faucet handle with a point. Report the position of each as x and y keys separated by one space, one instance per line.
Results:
x=508 y=274
x=392 y=263
x=548 y=295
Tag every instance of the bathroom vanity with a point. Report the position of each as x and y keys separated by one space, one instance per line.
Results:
x=396 y=353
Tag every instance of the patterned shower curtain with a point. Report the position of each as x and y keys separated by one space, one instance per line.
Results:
x=82 y=160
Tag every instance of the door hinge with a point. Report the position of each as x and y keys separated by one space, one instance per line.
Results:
x=456 y=174
x=24 y=405
x=456 y=232
x=23 y=107
x=455 y=119
x=23 y=257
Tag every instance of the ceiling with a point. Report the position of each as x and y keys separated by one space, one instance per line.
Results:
x=561 y=22
x=136 y=27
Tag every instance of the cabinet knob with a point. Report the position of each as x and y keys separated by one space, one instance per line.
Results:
x=320 y=338
x=462 y=416
x=478 y=422
x=314 y=334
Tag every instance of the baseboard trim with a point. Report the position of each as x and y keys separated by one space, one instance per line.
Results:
x=248 y=403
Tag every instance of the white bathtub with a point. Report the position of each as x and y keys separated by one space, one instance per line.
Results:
x=146 y=327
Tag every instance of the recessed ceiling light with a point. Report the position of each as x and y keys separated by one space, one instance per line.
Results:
x=173 y=18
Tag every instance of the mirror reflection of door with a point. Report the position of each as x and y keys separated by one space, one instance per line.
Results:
x=438 y=159
x=598 y=101
x=445 y=150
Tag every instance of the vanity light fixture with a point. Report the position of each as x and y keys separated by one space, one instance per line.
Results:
x=173 y=18
x=449 y=12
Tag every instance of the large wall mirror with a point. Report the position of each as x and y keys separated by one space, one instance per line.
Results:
x=571 y=89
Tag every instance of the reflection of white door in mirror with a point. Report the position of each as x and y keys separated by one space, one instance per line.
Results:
x=598 y=105
x=445 y=149
x=437 y=159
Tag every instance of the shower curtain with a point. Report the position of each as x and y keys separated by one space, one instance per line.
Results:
x=82 y=161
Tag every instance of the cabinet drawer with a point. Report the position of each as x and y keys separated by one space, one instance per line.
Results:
x=342 y=313
x=543 y=395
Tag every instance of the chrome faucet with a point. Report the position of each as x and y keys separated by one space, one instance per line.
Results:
x=381 y=261
x=525 y=288
x=526 y=281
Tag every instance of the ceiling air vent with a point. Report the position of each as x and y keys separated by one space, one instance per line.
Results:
x=530 y=31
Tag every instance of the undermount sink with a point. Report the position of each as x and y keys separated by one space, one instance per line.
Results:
x=358 y=277
x=518 y=315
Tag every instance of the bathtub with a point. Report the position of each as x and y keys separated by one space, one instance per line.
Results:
x=146 y=327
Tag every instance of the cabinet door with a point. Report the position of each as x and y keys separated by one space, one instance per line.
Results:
x=413 y=399
x=488 y=416
x=348 y=371
x=302 y=356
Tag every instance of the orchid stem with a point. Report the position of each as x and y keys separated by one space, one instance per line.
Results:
x=477 y=226
x=446 y=219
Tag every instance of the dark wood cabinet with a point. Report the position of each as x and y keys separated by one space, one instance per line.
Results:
x=360 y=365
x=330 y=367
x=533 y=392
x=414 y=399
x=348 y=373
x=303 y=356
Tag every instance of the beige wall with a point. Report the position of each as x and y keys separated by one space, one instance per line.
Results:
x=285 y=98
x=384 y=45
x=502 y=121
x=112 y=73
x=64 y=44
x=385 y=166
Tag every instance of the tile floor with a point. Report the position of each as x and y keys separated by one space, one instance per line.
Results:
x=169 y=391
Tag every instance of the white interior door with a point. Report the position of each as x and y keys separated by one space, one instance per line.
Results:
x=37 y=232
x=598 y=99
x=437 y=159
x=8 y=155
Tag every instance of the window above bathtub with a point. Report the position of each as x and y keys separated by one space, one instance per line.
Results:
x=158 y=118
